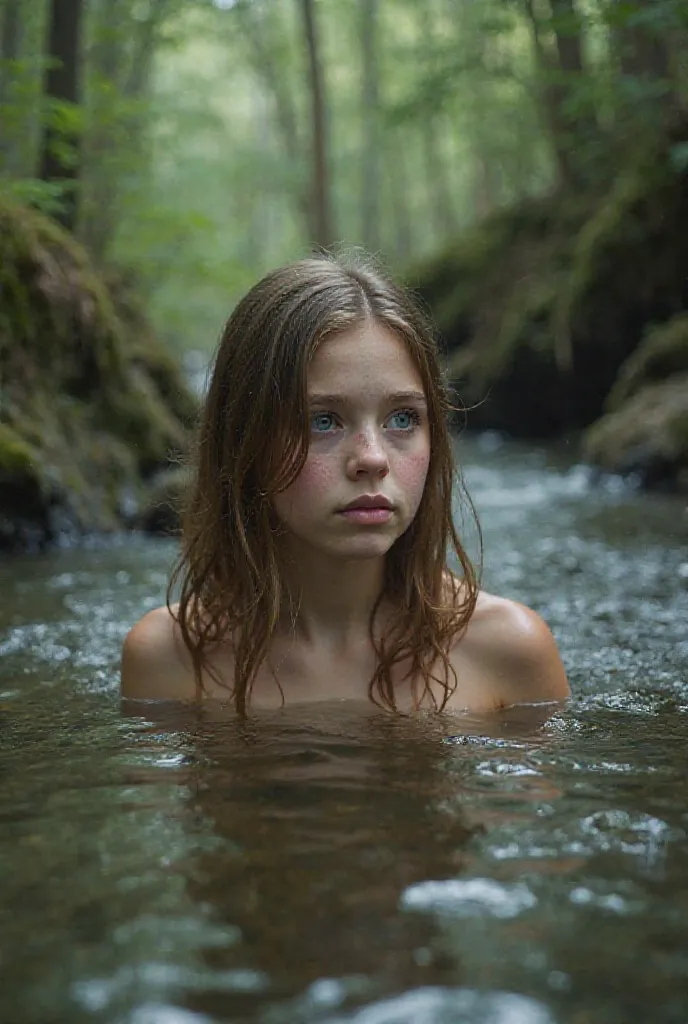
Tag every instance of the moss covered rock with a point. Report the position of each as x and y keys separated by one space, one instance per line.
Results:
x=663 y=352
x=646 y=437
x=91 y=406
x=645 y=429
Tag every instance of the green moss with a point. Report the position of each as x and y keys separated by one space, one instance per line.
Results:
x=144 y=421
x=54 y=306
x=471 y=270
x=16 y=456
x=662 y=352
x=648 y=434
x=615 y=227
x=90 y=401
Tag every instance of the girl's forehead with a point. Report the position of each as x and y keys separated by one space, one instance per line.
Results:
x=367 y=353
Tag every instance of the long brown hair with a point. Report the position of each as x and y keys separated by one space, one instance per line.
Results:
x=228 y=568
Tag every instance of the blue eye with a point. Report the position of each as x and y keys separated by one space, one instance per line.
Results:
x=317 y=421
x=410 y=416
x=324 y=422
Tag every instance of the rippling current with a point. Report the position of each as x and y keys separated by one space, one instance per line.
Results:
x=336 y=864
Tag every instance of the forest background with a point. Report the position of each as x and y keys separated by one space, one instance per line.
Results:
x=523 y=164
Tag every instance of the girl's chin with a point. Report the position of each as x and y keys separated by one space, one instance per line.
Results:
x=350 y=540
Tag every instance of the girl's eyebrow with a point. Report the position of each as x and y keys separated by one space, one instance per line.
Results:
x=394 y=396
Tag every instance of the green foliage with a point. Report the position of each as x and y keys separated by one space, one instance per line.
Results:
x=16 y=456
x=65 y=120
x=195 y=129
x=46 y=196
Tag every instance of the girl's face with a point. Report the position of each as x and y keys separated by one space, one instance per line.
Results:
x=369 y=437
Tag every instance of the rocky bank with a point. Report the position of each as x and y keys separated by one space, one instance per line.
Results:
x=92 y=408
x=568 y=315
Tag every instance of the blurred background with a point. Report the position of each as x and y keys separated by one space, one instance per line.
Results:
x=521 y=164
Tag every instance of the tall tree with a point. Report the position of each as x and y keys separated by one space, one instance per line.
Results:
x=99 y=185
x=643 y=35
x=263 y=37
x=437 y=178
x=10 y=31
x=143 y=47
x=397 y=191
x=121 y=58
x=59 y=160
x=322 y=218
x=563 y=86
x=370 y=111
x=470 y=37
x=10 y=25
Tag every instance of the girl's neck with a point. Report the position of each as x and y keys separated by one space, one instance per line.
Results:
x=328 y=606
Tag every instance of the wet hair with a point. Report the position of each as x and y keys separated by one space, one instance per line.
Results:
x=252 y=442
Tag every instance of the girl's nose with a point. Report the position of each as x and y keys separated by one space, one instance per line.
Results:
x=369 y=455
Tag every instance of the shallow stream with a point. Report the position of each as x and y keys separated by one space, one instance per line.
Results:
x=336 y=864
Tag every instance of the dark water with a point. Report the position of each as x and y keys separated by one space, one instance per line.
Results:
x=335 y=864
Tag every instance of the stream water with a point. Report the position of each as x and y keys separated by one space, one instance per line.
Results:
x=337 y=864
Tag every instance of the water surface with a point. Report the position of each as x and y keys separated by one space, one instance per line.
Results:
x=337 y=864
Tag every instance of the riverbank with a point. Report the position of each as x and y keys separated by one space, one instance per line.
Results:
x=92 y=407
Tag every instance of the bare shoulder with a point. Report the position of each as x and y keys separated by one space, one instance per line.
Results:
x=155 y=662
x=515 y=652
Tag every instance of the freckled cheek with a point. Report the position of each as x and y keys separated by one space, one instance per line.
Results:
x=410 y=476
x=314 y=484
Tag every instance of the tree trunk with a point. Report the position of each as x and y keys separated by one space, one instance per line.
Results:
x=103 y=136
x=578 y=116
x=437 y=180
x=566 y=25
x=286 y=120
x=477 y=111
x=643 y=47
x=370 y=103
x=398 y=192
x=10 y=39
x=442 y=211
x=10 y=25
x=556 y=83
x=143 y=49
x=60 y=155
x=322 y=230
x=121 y=61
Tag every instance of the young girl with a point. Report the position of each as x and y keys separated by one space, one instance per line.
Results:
x=314 y=561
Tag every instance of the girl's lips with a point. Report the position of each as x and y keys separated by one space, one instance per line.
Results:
x=367 y=515
x=368 y=501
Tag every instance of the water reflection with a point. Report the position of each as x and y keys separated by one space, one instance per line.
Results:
x=324 y=816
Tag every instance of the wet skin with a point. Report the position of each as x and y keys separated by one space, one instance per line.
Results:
x=370 y=437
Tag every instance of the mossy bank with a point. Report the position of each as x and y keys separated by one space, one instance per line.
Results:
x=568 y=315
x=92 y=408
